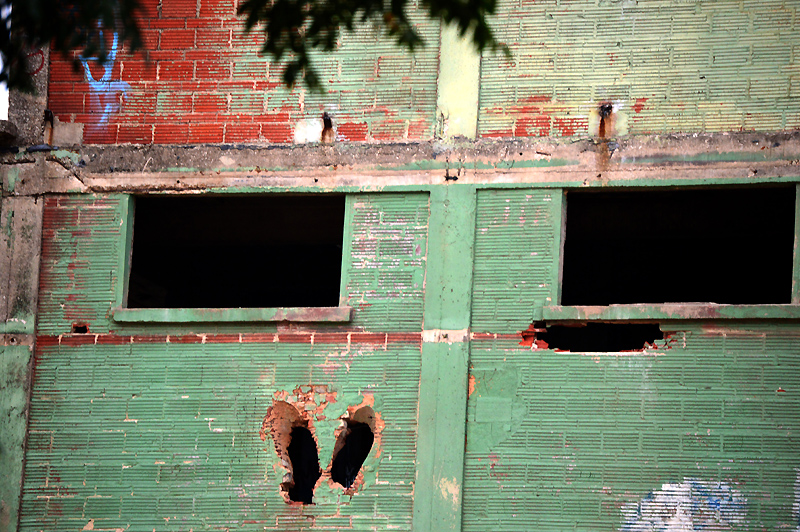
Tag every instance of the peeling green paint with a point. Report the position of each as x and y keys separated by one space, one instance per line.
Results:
x=14 y=388
x=12 y=174
x=73 y=156
x=494 y=411
x=184 y=169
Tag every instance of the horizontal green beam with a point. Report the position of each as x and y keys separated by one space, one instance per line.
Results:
x=194 y=315
x=671 y=311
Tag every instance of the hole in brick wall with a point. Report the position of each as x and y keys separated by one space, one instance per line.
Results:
x=297 y=449
x=80 y=328
x=595 y=337
x=353 y=446
x=303 y=455
x=604 y=110
x=726 y=246
x=236 y=251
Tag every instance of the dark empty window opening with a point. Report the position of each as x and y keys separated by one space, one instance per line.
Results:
x=595 y=337
x=725 y=246
x=80 y=328
x=236 y=251
x=302 y=451
x=353 y=446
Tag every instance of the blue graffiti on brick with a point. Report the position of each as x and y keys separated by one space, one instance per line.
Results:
x=690 y=505
x=105 y=93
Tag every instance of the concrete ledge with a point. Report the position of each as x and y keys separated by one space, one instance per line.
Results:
x=196 y=315
x=671 y=311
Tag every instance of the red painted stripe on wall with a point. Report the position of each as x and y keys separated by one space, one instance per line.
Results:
x=384 y=339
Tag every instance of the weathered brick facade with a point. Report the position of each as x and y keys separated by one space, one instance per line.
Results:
x=138 y=417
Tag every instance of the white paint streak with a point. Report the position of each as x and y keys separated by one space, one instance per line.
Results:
x=796 y=504
x=445 y=336
x=450 y=489
x=685 y=507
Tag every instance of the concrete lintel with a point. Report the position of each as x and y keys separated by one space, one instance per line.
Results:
x=344 y=156
x=562 y=176
x=637 y=161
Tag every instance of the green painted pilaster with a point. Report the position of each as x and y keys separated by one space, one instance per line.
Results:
x=796 y=268
x=458 y=85
x=20 y=253
x=445 y=360
x=15 y=358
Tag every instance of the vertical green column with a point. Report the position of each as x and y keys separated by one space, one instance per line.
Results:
x=796 y=268
x=20 y=253
x=445 y=360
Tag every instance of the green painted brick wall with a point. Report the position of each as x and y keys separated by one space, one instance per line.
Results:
x=516 y=257
x=575 y=441
x=84 y=239
x=668 y=65
x=385 y=274
x=157 y=427
x=165 y=436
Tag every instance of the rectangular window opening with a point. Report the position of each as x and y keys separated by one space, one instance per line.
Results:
x=723 y=246
x=236 y=251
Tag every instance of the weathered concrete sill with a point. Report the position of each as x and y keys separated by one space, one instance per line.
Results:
x=196 y=315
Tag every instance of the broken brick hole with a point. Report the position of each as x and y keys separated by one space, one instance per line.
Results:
x=80 y=328
x=604 y=110
x=304 y=458
x=297 y=449
x=594 y=337
x=353 y=446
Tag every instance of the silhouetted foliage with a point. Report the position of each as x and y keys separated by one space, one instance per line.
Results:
x=83 y=25
x=293 y=28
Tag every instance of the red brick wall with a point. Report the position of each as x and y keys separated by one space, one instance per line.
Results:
x=200 y=79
